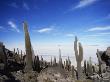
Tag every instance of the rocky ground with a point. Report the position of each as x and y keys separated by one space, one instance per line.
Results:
x=54 y=75
x=30 y=76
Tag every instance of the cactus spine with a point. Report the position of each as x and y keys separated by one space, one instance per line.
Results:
x=79 y=57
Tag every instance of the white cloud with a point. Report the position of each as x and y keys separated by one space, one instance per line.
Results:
x=26 y=6
x=13 y=26
x=84 y=3
x=92 y=45
x=44 y=30
x=104 y=33
x=99 y=28
x=70 y=35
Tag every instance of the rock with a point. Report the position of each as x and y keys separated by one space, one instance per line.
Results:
x=30 y=76
x=2 y=78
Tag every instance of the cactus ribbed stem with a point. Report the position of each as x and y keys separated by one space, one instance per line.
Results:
x=79 y=57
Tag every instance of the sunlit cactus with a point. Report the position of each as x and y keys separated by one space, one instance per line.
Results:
x=90 y=64
x=28 y=48
x=79 y=57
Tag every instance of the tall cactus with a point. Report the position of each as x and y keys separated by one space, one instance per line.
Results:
x=28 y=48
x=79 y=57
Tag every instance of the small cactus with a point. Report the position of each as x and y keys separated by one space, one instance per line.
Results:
x=72 y=70
x=41 y=62
x=54 y=62
x=85 y=67
x=60 y=59
x=51 y=63
x=99 y=60
x=14 y=51
x=17 y=51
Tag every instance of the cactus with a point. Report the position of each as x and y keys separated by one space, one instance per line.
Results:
x=51 y=63
x=72 y=71
x=85 y=67
x=21 y=55
x=90 y=68
x=93 y=69
x=66 y=66
x=99 y=60
x=60 y=59
x=21 y=58
x=14 y=51
x=69 y=64
x=36 y=64
x=41 y=64
x=17 y=51
x=79 y=57
x=28 y=48
x=54 y=62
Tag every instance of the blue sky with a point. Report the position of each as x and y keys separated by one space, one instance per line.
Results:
x=56 y=22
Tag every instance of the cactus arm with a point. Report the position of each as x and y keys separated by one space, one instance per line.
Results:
x=75 y=48
x=80 y=52
x=98 y=55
